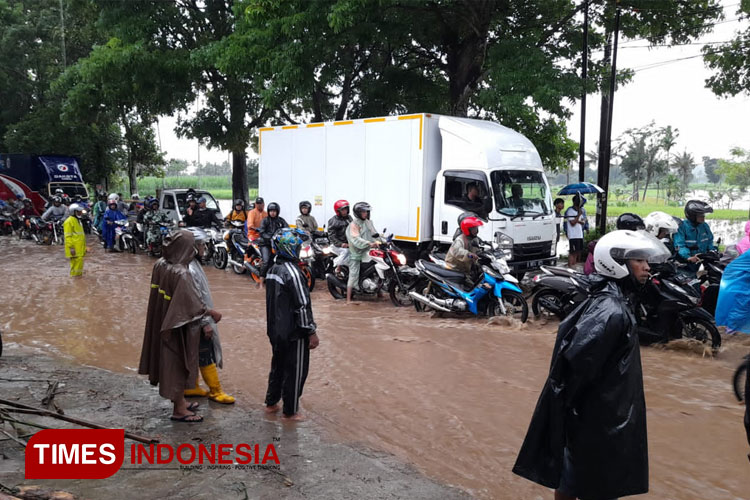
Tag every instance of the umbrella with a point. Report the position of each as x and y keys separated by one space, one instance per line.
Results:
x=580 y=188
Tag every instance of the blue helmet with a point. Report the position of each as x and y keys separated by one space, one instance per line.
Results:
x=287 y=243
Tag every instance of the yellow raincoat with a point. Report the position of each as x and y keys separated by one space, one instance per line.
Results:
x=75 y=244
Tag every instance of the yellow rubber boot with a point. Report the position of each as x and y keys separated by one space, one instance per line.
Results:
x=211 y=377
x=198 y=392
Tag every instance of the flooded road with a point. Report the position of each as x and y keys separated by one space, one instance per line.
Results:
x=452 y=396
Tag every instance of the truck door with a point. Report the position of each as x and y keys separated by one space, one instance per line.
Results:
x=169 y=205
x=456 y=192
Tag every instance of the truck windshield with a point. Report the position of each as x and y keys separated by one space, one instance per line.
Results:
x=71 y=189
x=521 y=192
x=211 y=203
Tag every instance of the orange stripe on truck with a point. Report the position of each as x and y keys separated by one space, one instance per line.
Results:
x=411 y=238
x=421 y=122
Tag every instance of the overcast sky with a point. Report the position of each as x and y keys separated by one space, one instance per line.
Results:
x=670 y=94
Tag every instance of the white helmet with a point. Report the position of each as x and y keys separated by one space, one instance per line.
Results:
x=75 y=207
x=614 y=248
x=113 y=196
x=657 y=220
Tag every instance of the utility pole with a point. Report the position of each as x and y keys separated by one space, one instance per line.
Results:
x=605 y=134
x=584 y=74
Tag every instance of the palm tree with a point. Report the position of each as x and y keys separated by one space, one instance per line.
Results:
x=683 y=165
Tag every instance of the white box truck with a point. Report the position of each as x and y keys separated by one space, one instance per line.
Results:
x=419 y=172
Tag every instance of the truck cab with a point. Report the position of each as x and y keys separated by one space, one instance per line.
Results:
x=497 y=174
x=174 y=203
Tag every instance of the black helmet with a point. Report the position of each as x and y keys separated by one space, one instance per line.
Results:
x=153 y=202
x=190 y=197
x=305 y=204
x=631 y=222
x=362 y=206
x=694 y=208
x=239 y=201
x=56 y=199
x=274 y=206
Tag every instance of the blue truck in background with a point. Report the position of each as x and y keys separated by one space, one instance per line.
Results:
x=38 y=176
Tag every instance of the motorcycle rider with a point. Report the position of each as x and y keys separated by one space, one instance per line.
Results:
x=626 y=221
x=360 y=235
x=153 y=219
x=268 y=227
x=99 y=208
x=694 y=236
x=75 y=240
x=112 y=215
x=337 y=228
x=238 y=213
x=587 y=437
x=56 y=211
x=255 y=218
x=305 y=221
x=662 y=226
x=463 y=252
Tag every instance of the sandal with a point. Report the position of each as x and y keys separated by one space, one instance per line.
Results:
x=189 y=419
x=193 y=406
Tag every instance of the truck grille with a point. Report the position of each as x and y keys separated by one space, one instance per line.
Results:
x=531 y=251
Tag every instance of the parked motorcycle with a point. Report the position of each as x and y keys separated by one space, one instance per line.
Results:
x=385 y=270
x=234 y=248
x=556 y=291
x=6 y=223
x=24 y=229
x=495 y=292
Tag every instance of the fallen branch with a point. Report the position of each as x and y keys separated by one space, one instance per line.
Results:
x=51 y=391
x=14 y=438
x=77 y=421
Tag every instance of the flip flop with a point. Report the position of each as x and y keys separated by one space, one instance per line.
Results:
x=188 y=419
x=193 y=406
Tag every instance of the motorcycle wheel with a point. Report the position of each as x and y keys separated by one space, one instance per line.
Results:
x=419 y=286
x=309 y=276
x=239 y=269
x=543 y=297
x=132 y=246
x=739 y=379
x=400 y=294
x=336 y=291
x=257 y=263
x=702 y=330
x=515 y=306
x=220 y=258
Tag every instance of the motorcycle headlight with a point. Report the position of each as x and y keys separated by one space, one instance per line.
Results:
x=306 y=253
x=501 y=266
x=401 y=259
x=226 y=235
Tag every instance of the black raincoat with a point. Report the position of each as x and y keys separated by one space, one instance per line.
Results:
x=592 y=403
x=289 y=314
x=337 y=229
x=268 y=227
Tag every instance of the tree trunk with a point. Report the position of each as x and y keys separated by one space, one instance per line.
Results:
x=635 y=189
x=239 y=176
x=132 y=176
x=645 y=189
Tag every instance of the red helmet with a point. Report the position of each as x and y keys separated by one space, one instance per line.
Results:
x=468 y=223
x=340 y=205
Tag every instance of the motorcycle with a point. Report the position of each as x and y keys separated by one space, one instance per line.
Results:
x=556 y=291
x=322 y=255
x=86 y=222
x=124 y=238
x=154 y=248
x=495 y=292
x=212 y=237
x=24 y=229
x=385 y=270
x=237 y=251
x=6 y=223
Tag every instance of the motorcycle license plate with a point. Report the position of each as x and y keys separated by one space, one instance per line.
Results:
x=694 y=282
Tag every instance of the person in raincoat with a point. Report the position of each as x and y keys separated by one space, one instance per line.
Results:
x=290 y=325
x=587 y=437
x=361 y=236
x=462 y=254
x=268 y=228
x=169 y=355
x=99 y=208
x=75 y=240
x=305 y=221
x=733 y=304
x=209 y=349
x=694 y=236
x=112 y=215
x=744 y=244
x=153 y=219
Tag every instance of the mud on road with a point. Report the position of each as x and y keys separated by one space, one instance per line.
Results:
x=451 y=396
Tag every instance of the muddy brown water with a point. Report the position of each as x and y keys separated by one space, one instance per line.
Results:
x=451 y=395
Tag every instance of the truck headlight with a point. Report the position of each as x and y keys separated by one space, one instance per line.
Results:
x=504 y=244
x=553 y=248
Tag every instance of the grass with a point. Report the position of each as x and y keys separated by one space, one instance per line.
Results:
x=646 y=208
x=218 y=185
